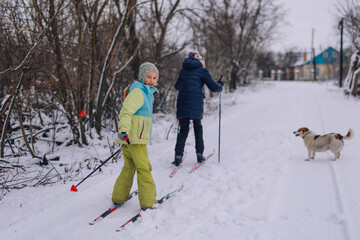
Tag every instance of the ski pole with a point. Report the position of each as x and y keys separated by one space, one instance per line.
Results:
x=219 y=122
x=83 y=114
x=74 y=189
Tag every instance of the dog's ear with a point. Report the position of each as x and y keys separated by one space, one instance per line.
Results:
x=303 y=130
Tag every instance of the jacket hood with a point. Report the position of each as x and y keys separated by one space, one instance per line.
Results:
x=190 y=63
x=146 y=88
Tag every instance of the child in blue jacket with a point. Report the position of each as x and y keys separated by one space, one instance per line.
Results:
x=190 y=102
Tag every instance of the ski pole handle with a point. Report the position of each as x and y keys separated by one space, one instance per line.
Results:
x=220 y=82
x=127 y=140
x=124 y=137
x=220 y=77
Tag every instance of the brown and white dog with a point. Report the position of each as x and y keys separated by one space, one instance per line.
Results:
x=321 y=143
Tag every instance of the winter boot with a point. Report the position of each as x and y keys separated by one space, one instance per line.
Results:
x=200 y=157
x=178 y=160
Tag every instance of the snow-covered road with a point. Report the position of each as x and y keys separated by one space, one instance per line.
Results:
x=262 y=189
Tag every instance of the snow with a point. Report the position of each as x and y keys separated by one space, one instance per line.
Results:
x=262 y=188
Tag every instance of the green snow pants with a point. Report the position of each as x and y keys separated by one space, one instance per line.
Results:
x=136 y=159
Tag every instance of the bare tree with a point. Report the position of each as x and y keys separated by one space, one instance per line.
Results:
x=266 y=61
x=17 y=70
x=61 y=57
x=106 y=79
x=349 y=11
x=232 y=32
x=160 y=46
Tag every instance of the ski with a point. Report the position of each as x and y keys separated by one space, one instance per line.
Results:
x=133 y=219
x=112 y=209
x=176 y=168
x=202 y=163
x=160 y=201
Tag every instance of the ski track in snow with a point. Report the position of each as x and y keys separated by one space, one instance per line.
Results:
x=335 y=184
x=327 y=186
x=262 y=189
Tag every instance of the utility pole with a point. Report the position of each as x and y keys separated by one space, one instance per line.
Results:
x=341 y=24
x=313 y=53
x=314 y=64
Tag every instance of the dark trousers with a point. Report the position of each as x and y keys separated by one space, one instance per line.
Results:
x=183 y=133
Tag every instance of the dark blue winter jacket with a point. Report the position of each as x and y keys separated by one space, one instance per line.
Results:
x=190 y=101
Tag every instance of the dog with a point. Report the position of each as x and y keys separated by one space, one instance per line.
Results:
x=321 y=143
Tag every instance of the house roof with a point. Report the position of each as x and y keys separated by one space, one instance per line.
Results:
x=328 y=56
x=325 y=57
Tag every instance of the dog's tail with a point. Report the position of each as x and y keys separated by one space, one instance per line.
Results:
x=350 y=134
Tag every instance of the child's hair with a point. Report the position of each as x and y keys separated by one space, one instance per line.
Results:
x=126 y=91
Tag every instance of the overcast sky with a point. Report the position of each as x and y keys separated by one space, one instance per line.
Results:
x=302 y=17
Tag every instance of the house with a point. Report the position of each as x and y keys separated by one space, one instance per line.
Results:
x=327 y=66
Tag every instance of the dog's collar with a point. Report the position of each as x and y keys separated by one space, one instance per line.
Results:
x=306 y=134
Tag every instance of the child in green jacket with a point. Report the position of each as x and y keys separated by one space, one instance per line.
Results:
x=134 y=134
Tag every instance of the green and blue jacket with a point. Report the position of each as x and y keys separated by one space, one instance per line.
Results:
x=136 y=114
